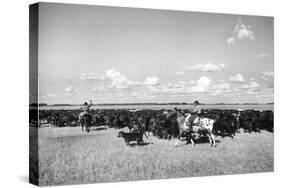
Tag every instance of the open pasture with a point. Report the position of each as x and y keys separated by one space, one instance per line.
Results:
x=69 y=156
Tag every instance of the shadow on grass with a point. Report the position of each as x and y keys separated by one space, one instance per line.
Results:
x=98 y=128
x=204 y=141
x=140 y=144
x=197 y=141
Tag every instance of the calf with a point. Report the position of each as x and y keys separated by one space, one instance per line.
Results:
x=128 y=137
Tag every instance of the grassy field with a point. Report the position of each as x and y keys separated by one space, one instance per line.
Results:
x=69 y=156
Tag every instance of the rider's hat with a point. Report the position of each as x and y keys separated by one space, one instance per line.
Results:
x=196 y=102
x=85 y=103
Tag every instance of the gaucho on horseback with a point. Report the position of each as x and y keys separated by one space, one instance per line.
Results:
x=186 y=122
x=86 y=107
x=85 y=117
x=196 y=112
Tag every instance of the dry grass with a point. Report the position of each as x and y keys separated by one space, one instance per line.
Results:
x=68 y=156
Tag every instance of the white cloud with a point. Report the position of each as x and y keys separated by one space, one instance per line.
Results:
x=270 y=86
x=91 y=76
x=142 y=95
x=231 y=40
x=251 y=85
x=135 y=94
x=262 y=55
x=202 y=84
x=49 y=95
x=264 y=78
x=69 y=90
x=199 y=86
x=209 y=67
x=237 y=78
x=220 y=88
x=179 y=73
x=153 y=80
x=253 y=92
x=268 y=73
x=100 y=89
x=118 y=80
x=241 y=31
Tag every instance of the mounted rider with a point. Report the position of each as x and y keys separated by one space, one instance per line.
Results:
x=196 y=113
x=85 y=108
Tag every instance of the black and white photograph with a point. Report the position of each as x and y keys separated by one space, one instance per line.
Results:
x=126 y=94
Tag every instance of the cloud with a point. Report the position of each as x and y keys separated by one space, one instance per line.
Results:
x=179 y=73
x=69 y=90
x=264 y=78
x=49 y=95
x=142 y=95
x=199 y=86
x=268 y=73
x=209 y=67
x=241 y=31
x=237 y=78
x=220 y=88
x=153 y=80
x=231 y=40
x=91 y=76
x=118 y=80
x=253 y=92
x=262 y=55
x=135 y=94
x=99 y=89
x=270 y=86
x=265 y=95
x=202 y=84
x=251 y=85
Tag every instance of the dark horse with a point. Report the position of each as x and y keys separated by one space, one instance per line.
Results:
x=86 y=121
x=203 y=126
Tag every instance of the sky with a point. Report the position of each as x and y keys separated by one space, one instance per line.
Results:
x=129 y=55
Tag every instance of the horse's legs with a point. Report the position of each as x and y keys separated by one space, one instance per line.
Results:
x=210 y=138
x=177 y=142
x=213 y=139
x=87 y=128
x=192 y=142
x=178 y=139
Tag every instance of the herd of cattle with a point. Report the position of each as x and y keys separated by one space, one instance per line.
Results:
x=227 y=122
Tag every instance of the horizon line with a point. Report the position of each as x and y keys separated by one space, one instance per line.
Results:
x=152 y=103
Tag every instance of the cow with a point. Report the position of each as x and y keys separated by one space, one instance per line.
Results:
x=128 y=137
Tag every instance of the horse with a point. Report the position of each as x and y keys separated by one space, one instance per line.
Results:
x=202 y=126
x=85 y=121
